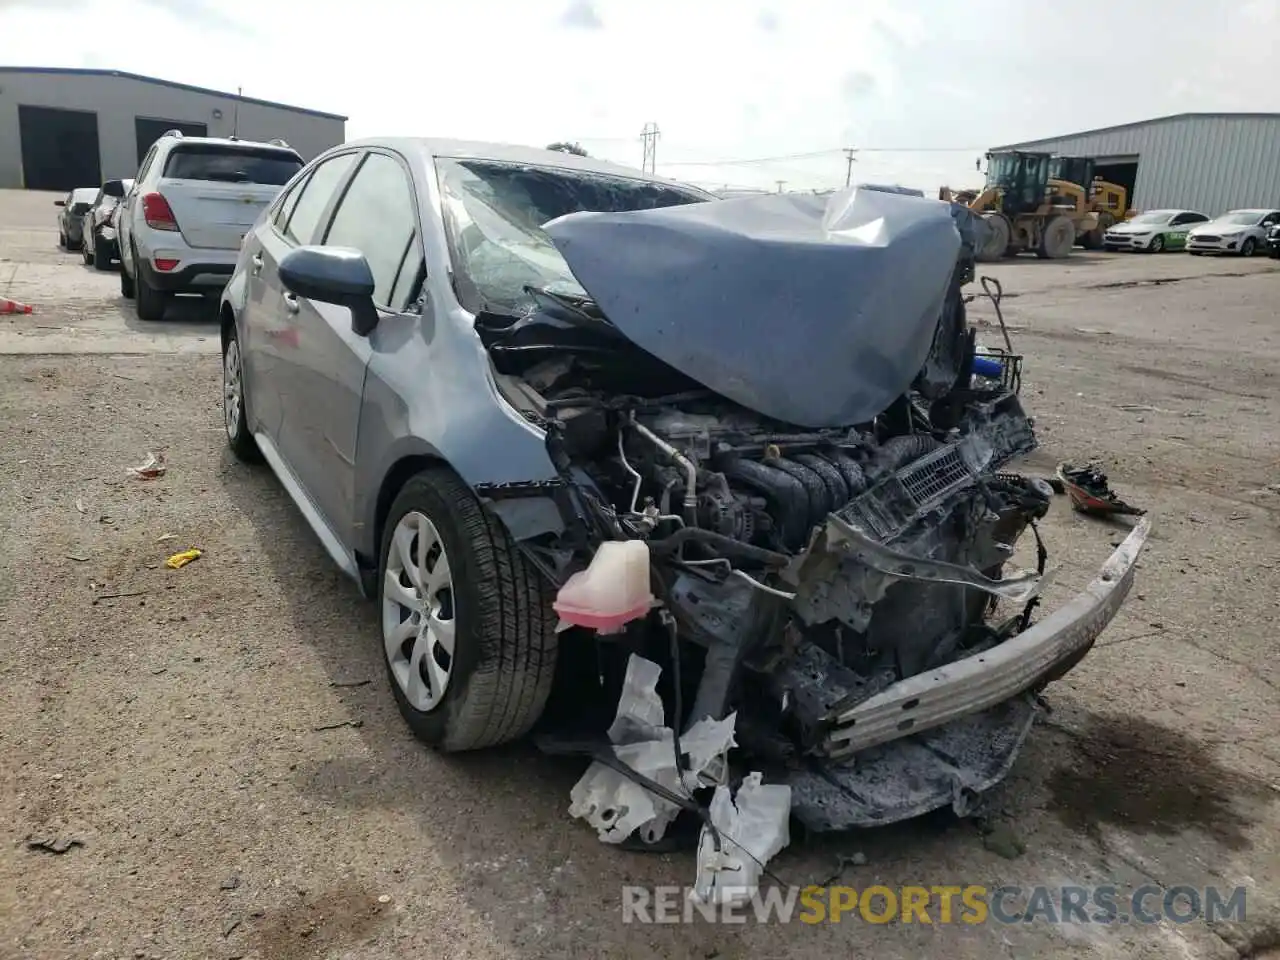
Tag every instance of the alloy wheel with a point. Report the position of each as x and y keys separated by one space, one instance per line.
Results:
x=418 y=617
x=231 y=388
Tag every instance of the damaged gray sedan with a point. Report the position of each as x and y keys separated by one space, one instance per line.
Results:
x=553 y=414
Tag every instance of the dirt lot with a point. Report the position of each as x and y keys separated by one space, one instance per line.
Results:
x=187 y=727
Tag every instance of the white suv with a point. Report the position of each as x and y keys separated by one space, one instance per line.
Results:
x=193 y=200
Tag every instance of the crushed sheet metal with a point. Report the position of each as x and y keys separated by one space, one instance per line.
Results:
x=975 y=683
x=948 y=766
x=857 y=281
x=751 y=827
x=1018 y=588
x=617 y=806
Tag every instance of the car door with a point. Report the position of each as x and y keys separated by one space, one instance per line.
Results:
x=1175 y=237
x=270 y=323
x=377 y=215
x=124 y=222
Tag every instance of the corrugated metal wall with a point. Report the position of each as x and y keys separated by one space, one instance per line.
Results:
x=1209 y=163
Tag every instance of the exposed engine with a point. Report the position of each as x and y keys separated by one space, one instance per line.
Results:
x=814 y=567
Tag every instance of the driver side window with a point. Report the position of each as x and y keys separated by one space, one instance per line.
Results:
x=378 y=216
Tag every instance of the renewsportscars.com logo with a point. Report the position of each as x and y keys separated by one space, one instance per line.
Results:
x=942 y=904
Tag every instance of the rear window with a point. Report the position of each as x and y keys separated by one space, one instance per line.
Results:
x=229 y=164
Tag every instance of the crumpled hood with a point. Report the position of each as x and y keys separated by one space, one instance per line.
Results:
x=816 y=311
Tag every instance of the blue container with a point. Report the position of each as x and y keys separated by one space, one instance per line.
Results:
x=986 y=367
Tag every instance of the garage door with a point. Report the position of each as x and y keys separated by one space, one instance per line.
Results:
x=59 y=148
x=150 y=130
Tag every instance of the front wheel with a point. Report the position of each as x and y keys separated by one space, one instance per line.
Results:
x=468 y=631
x=996 y=243
x=1247 y=248
x=234 y=413
x=1157 y=245
x=1057 y=238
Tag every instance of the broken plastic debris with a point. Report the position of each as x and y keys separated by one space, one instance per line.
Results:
x=1090 y=492
x=180 y=560
x=749 y=829
x=617 y=806
x=613 y=590
x=150 y=468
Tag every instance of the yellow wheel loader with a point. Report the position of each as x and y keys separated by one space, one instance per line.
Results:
x=1108 y=200
x=1024 y=211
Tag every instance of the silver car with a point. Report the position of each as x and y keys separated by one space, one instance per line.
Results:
x=551 y=412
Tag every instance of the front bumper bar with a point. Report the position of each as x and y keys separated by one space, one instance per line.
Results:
x=1039 y=654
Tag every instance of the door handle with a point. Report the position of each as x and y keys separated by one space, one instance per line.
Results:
x=257 y=262
x=291 y=302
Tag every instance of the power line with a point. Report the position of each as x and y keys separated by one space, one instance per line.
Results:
x=734 y=163
x=813 y=154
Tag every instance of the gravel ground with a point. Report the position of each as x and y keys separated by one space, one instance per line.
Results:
x=221 y=743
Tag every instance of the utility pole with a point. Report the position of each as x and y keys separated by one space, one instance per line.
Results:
x=848 y=166
x=649 y=136
x=779 y=183
x=235 y=114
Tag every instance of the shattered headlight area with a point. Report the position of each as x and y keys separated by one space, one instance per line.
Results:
x=792 y=618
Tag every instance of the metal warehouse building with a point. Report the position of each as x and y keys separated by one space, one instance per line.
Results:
x=61 y=129
x=1209 y=162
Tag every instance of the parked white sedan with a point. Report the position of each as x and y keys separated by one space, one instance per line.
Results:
x=1153 y=231
x=1242 y=232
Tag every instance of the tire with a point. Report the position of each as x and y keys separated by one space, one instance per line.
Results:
x=997 y=241
x=235 y=417
x=1157 y=245
x=1248 y=247
x=101 y=254
x=84 y=252
x=1093 y=239
x=128 y=289
x=494 y=685
x=1274 y=253
x=1057 y=238
x=62 y=241
x=151 y=302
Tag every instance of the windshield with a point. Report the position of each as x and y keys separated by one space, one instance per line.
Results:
x=1245 y=217
x=494 y=212
x=1153 y=216
x=232 y=164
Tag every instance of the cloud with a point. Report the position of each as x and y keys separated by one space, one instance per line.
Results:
x=582 y=14
x=857 y=85
x=767 y=21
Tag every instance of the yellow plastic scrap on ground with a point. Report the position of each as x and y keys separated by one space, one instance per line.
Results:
x=180 y=560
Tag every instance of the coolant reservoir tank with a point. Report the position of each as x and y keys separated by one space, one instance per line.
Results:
x=612 y=591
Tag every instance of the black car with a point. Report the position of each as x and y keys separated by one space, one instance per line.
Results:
x=73 y=207
x=1273 y=242
x=98 y=243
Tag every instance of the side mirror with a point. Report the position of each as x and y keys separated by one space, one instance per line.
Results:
x=59 y=203
x=113 y=188
x=337 y=275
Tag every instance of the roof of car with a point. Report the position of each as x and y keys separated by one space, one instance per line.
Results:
x=81 y=192
x=1258 y=210
x=513 y=153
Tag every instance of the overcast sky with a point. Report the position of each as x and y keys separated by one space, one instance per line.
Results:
x=725 y=80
